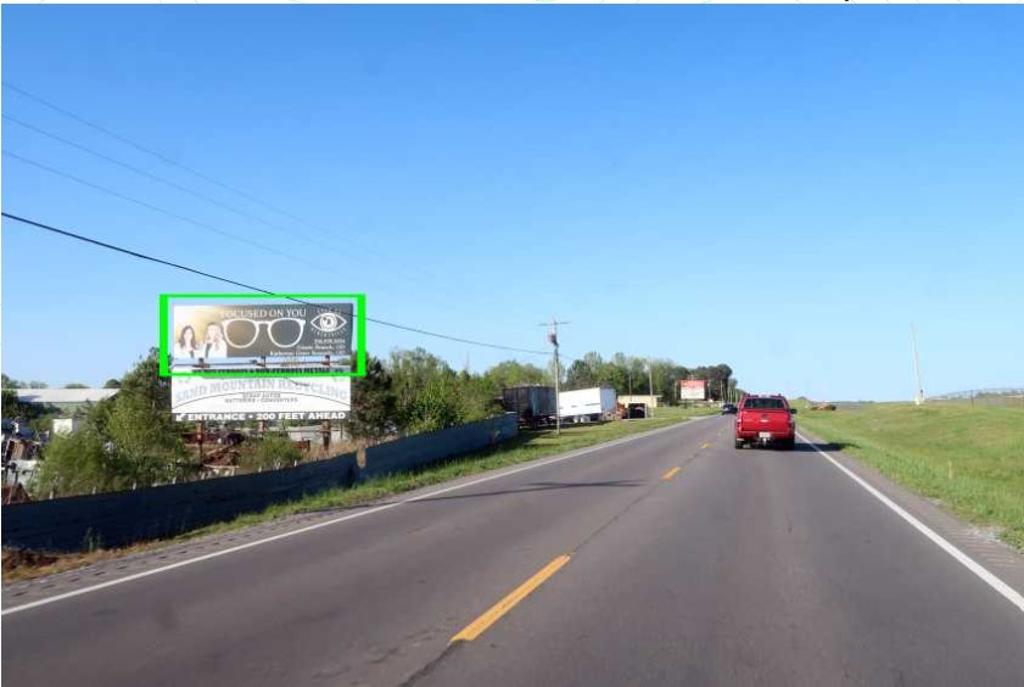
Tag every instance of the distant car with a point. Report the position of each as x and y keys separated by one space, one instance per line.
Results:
x=765 y=420
x=729 y=409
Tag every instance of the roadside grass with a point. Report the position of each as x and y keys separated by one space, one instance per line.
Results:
x=527 y=446
x=970 y=458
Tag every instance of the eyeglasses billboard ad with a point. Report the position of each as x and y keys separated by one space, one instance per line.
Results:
x=217 y=332
x=260 y=398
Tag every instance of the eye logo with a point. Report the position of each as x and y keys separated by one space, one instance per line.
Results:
x=328 y=322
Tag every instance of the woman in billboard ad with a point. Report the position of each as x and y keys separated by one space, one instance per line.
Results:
x=214 y=345
x=186 y=346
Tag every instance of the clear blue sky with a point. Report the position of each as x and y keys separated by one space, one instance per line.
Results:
x=782 y=189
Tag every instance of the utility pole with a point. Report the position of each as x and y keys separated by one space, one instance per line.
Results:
x=919 y=396
x=553 y=340
x=650 y=388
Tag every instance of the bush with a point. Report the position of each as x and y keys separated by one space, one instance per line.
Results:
x=270 y=453
x=145 y=441
x=78 y=464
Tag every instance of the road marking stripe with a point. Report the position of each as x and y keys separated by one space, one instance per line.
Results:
x=671 y=473
x=343 y=518
x=706 y=444
x=495 y=612
x=1012 y=595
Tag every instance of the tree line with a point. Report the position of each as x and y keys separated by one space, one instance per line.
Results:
x=131 y=439
x=660 y=376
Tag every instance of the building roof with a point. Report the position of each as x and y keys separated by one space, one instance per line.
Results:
x=56 y=396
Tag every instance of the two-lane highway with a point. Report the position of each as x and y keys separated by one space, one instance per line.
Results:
x=666 y=559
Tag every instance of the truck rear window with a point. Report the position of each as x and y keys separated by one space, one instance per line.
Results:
x=764 y=404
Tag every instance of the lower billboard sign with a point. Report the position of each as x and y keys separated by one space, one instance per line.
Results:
x=260 y=398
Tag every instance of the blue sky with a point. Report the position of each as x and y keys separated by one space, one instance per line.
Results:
x=781 y=189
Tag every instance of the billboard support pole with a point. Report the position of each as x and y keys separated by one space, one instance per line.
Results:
x=202 y=435
x=325 y=433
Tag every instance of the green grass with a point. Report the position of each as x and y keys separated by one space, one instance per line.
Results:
x=526 y=447
x=971 y=458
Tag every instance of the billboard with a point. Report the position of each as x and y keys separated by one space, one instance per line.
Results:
x=260 y=398
x=254 y=330
x=692 y=389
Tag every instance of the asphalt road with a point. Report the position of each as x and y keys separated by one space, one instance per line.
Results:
x=615 y=568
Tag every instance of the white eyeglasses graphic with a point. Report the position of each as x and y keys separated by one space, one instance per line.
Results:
x=284 y=332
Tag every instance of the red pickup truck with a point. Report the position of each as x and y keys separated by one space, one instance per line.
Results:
x=765 y=420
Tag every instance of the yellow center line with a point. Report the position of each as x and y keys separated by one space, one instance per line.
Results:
x=494 y=613
x=706 y=444
x=671 y=473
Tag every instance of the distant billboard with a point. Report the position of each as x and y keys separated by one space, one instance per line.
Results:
x=693 y=389
x=255 y=330
x=260 y=398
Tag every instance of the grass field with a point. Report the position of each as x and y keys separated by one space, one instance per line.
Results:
x=971 y=458
x=524 y=448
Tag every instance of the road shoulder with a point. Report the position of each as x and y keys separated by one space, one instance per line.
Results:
x=980 y=544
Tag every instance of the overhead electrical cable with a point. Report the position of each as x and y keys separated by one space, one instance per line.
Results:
x=227 y=280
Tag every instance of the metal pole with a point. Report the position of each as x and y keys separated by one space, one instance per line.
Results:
x=919 y=396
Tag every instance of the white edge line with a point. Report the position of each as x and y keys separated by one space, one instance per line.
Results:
x=335 y=521
x=991 y=580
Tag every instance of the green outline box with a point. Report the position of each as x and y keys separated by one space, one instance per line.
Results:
x=360 y=319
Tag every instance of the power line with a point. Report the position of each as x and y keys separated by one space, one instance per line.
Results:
x=171 y=184
x=149 y=151
x=157 y=208
x=150 y=258
x=205 y=177
x=169 y=213
x=157 y=178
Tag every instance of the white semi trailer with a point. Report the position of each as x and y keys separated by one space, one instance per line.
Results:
x=587 y=405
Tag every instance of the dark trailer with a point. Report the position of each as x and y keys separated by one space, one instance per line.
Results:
x=533 y=404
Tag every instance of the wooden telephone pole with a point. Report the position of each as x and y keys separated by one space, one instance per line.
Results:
x=553 y=340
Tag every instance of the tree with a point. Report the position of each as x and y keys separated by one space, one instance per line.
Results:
x=426 y=391
x=140 y=441
x=76 y=385
x=512 y=372
x=147 y=443
x=35 y=415
x=374 y=405
x=436 y=406
x=112 y=384
x=144 y=381
x=78 y=464
x=584 y=372
x=11 y=405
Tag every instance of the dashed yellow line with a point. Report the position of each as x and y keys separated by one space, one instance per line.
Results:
x=494 y=613
x=671 y=473
x=706 y=444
